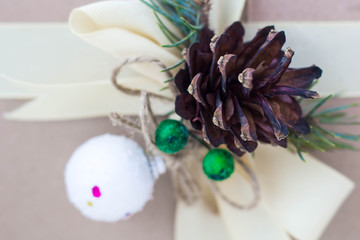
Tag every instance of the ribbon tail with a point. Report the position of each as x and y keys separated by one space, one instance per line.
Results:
x=75 y=101
x=201 y=219
x=198 y=222
x=302 y=197
x=214 y=218
x=253 y=224
x=298 y=199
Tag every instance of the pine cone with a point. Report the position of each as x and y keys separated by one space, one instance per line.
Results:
x=239 y=93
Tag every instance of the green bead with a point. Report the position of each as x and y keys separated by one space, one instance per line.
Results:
x=218 y=164
x=171 y=136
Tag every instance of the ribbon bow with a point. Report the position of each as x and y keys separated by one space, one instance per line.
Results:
x=297 y=200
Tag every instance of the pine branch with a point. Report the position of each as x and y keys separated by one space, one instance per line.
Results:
x=320 y=138
x=184 y=14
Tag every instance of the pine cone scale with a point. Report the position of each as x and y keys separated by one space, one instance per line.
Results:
x=300 y=78
x=269 y=50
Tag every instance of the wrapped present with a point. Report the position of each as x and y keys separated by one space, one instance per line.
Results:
x=295 y=200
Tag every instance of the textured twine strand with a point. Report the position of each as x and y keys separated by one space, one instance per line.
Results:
x=138 y=59
x=205 y=11
x=186 y=187
x=118 y=120
x=254 y=184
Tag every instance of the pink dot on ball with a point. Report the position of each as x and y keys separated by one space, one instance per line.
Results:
x=96 y=191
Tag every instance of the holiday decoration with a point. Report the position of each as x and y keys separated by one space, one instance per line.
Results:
x=171 y=136
x=233 y=98
x=218 y=164
x=109 y=178
x=229 y=92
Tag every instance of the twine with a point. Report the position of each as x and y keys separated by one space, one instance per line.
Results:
x=254 y=185
x=185 y=185
x=205 y=11
x=118 y=120
x=140 y=59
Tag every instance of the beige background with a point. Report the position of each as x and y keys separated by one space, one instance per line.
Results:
x=300 y=10
x=33 y=203
x=258 y=10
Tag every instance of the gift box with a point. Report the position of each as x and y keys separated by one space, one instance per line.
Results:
x=34 y=154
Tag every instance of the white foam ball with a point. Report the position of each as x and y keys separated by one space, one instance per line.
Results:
x=108 y=178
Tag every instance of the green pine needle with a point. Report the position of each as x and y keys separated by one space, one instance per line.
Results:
x=166 y=29
x=199 y=140
x=321 y=139
x=184 y=14
x=164 y=88
x=175 y=66
x=169 y=113
x=317 y=105
x=190 y=26
x=335 y=109
x=169 y=80
x=181 y=41
x=300 y=155
x=157 y=9
x=339 y=123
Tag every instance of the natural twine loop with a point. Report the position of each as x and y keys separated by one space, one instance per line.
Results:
x=186 y=187
x=254 y=185
x=140 y=59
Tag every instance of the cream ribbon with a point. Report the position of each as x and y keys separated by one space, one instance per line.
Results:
x=297 y=198
x=54 y=63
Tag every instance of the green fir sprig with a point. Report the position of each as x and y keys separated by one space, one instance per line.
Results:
x=321 y=138
x=185 y=15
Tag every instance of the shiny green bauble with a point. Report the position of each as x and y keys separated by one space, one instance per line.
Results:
x=171 y=136
x=218 y=164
